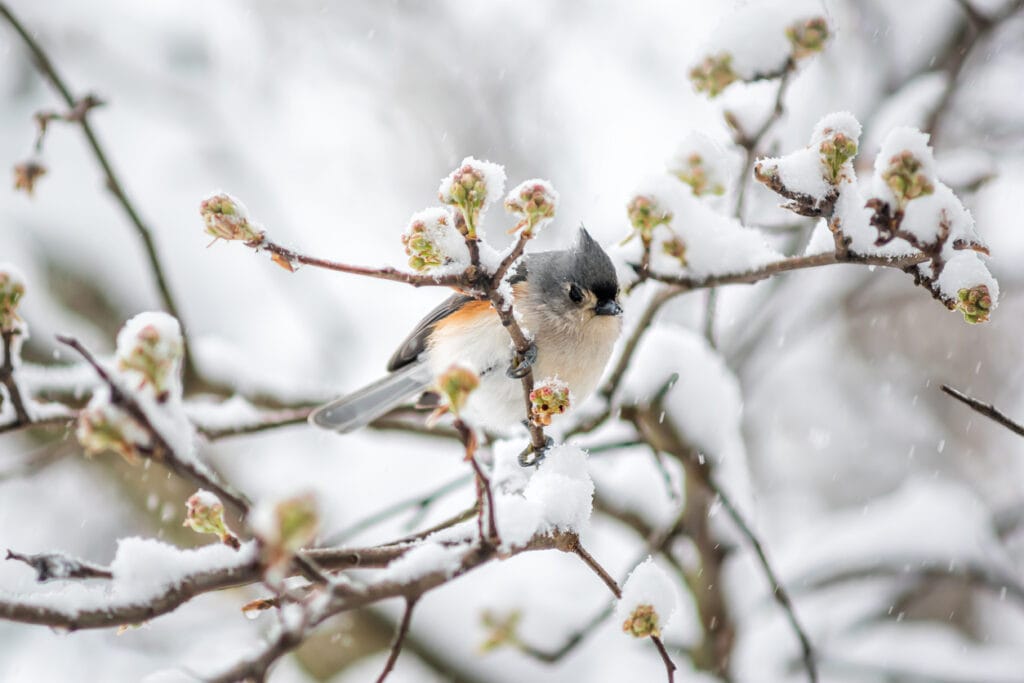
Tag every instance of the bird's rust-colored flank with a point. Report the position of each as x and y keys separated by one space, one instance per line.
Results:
x=468 y=315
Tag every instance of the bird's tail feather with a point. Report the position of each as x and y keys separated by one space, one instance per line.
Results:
x=360 y=408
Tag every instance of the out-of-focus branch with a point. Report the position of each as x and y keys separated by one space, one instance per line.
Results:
x=162 y=450
x=22 y=418
x=971 y=572
x=986 y=409
x=421 y=502
x=113 y=183
x=979 y=27
x=400 y=634
x=779 y=592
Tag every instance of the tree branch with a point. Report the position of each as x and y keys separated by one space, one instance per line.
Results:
x=396 y=646
x=113 y=184
x=986 y=409
x=162 y=451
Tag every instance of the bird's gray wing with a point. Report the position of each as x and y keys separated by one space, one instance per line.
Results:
x=416 y=342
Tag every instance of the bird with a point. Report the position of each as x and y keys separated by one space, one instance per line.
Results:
x=568 y=300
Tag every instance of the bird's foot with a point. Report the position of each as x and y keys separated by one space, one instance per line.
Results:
x=521 y=364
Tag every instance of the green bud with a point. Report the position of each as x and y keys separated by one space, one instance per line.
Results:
x=836 y=151
x=645 y=214
x=714 y=74
x=456 y=384
x=974 y=303
x=643 y=622
x=204 y=514
x=225 y=219
x=547 y=400
x=905 y=178
x=807 y=37
x=12 y=289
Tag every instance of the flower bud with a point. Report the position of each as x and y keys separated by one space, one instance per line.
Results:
x=714 y=74
x=835 y=152
x=105 y=427
x=225 y=218
x=807 y=37
x=150 y=346
x=283 y=529
x=645 y=214
x=534 y=202
x=456 y=384
x=676 y=248
x=471 y=188
x=975 y=304
x=432 y=240
x=642 y=622
x=26 y=174
x=502 y=629
x=12 y=289
x=906 y=179
x=204 y=514
x=694 y=173
x=549 y=398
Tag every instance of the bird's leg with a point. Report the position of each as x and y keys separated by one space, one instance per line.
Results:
x=531 y=457
x=521 y=364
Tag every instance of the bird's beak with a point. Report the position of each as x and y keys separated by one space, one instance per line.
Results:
x=610 y=307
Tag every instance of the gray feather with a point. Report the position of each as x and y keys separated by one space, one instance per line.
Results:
x=358 y=409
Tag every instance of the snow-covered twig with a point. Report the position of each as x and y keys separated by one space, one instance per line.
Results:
x=162 y=450
x=688 y=283
x=112 y=182
x=51 y=566
x=986 y=409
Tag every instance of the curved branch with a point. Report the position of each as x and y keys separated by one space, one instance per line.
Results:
x=113 y=183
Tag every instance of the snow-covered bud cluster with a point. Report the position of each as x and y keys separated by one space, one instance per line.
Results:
x=811 y=177
x=645 y=214
x=472 y=187
x=534 y=202
x=760 y=40
x=432 y=240
x=26 y=174
x=714 y=74
x=907 y=178
x=549 y=398
x=284 y=528
x=502 y=630
x=455 y=385
x=105 y=427
x=12 y=289
x=642 y=622
x=836 y=150
x=148 y=360
x=150 y=348
x=807 y=37
x=676 y=248
x=703 y=164
x=226 y=219
x=975 y=303
x=204 y=514
x=648 y=601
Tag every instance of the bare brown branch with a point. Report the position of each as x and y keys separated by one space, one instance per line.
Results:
x=986 y=409
x=396 y=646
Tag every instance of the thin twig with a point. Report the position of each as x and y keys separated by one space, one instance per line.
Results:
x=422 y=501
x=789 y=264
x=163 y=451
x=779 y=593
x=986 y=409
x=396 y=645
x=22 y=418
x=392 y=274
x=113 y=184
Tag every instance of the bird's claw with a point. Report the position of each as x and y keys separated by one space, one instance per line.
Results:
x=532 y=457
x=521 y=364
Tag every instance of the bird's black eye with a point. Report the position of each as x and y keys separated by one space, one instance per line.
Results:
x=575 y=293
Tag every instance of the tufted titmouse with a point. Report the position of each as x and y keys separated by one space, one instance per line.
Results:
x=567 y=300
